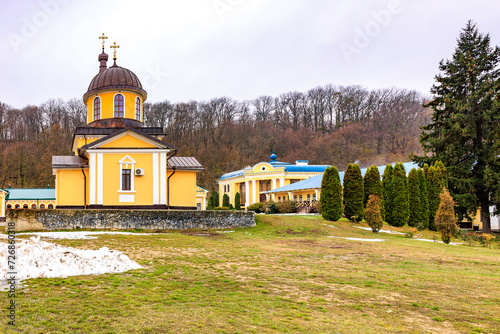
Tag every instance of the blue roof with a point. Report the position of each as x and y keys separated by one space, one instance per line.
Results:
x=315 y=181
x=31 y=194
x=288 y=168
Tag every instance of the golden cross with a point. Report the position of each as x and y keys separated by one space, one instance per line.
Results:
x=114 y=46
x=103 y=38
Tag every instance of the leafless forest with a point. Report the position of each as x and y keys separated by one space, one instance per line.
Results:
x=326 y=125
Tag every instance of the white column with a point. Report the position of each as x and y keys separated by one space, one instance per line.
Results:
x=290 y=196
x=254 y=191
x=282 y=182
x=92 y=178
x=274 y=184
x=318 y=193
x=156 y=179
x=163 y=178
x=100 y=172
x=247 y=193
x=204 y=203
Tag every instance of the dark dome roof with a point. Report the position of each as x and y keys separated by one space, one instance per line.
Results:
x=115 y=77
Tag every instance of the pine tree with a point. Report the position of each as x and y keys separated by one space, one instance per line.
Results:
x=388 y=192
x=463 y=132
x=436 y=180
x=401 y=211
x=445 y=217
x=414 y=197
x=372 y=214
x=237 y=201
x=424 y=198
x=373 y=186
x=353 y=193
x=225 y=200
x=331 y=194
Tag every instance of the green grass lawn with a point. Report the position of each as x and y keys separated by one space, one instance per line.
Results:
x=285 y=275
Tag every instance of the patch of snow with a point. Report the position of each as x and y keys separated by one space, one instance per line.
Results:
x=224 y=231
x=381 y=231
x=331 y=226
x=79 y=234
x=451 y=243
x=358 y=239
x=35 y=258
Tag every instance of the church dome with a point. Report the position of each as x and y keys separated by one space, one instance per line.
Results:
x=115 y=77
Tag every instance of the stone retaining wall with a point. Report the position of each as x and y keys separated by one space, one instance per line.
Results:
x=60 y=219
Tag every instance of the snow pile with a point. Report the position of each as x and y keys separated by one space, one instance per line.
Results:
x=35 y=258
x=78 y=234
x=358 y=239
x=381 y=231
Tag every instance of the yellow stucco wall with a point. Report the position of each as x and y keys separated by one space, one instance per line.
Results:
x=182 y=188
x=107 y=104
x=128 y=141
x=70 y=187
x=21 y=203
x=2 y=203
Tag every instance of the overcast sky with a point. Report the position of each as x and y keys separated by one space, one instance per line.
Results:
x=197 y=50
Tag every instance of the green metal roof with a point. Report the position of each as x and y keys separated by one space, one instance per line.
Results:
x=31 y=194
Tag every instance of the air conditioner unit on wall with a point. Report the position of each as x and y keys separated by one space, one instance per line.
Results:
x=139 y=171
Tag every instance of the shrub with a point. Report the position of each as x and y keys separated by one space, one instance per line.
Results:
x=257 y=207
x=445 y=217
x=372 y=214
x=373 y=186
x=272 y=208
x=411 y=232
x=287 y=207
x=401 y=211
x=353 y=193
x=222 y=208
x=316 y=208
x=237 y=201
x=331 y=194
x=215 y=199
x=225 y=200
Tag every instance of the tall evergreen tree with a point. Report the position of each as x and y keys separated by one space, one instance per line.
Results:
x=225 y=200
x=401 y=211
x=215 y=195
x=373 y=186
x=331 y=194
x=353 y=193
x=237 y=201
x=388 y=192
x=464 y=131
x=424 y=198
x=414 y=198
x=436 y=180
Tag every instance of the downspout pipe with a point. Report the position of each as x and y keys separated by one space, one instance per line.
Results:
x=168 y=180
x=84 y=189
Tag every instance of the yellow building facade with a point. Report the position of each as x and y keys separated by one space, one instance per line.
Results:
x=254 y=182
x=117 y=161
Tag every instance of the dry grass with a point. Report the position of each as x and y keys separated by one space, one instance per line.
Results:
x=284 y=275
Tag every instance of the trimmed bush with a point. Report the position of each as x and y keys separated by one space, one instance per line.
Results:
x=400 y=205
x=257 y=207
x=445 y=217
x=353 y=193
x=271 y=208
x=331 y=194
x=237 y=201
x=372 y=214
x=215 y=199
x=221 y=208
x=287 y=207
x=373 y=186
x=388 y=193
x=225 y=200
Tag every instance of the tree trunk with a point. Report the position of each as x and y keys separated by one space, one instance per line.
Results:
x=485 y=214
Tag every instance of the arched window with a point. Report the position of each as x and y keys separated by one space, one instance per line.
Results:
x=97 y=108
x=51 y=206
x=25 y=206
x=42 y=206
x=9 y=206
x=17 y=206
x=33 y=206
x=119 y=105
x=138 y=109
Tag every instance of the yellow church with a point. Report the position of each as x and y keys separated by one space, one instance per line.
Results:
x=117 y=161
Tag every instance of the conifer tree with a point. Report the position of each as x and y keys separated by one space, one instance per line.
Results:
x=388 y=192
x=463 y=132
x=215 y=199
x=353 y=193
x=436 y=180
x=400 y=206
x=445 y=217
x=372 y=214
x=424 y=198
x=373 y=186
x=414 y=198
x=237 y=201
x=225 y=200
x=331 y=194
